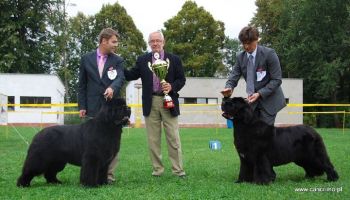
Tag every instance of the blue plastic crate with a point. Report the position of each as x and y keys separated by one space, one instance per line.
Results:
x=214 y=145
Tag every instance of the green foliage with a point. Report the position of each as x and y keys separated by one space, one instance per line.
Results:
x=81 y=39
x=131 y=43
x=312 y=41
x=25 y=42
x=231 y=48
x=211 y=174
x=38 y=37
x=197 y=38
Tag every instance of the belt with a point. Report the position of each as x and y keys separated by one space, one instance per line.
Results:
x=157 y=94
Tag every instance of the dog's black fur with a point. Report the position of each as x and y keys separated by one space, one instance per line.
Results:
x=261 y=146
x=91 y=145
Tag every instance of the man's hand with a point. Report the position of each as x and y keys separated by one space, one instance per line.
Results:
x=108 y=93
x=227 y=92
x=252 y=98
x=82 y=113
x=166 y=87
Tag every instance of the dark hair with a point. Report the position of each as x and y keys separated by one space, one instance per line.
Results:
x=106 y=34
x=248 y=34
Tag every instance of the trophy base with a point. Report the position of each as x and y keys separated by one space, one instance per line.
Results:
x=168 y=102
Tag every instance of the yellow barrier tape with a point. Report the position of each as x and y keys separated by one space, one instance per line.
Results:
x=326 y=112
x=66 y=113
x=182 y=105
x=186 y=105
x=315 y=105
x=43 y=105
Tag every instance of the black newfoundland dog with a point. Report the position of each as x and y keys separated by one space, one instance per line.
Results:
x=91 y=145
x=261 y=146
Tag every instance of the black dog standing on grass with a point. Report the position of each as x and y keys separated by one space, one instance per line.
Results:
x=91 y=145
x=261 y=146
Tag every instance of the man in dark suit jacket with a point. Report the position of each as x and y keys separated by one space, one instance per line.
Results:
x=265 y=96
x=101 y=76
x=152 y=103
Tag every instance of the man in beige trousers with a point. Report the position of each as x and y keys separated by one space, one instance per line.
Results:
x=156 y=116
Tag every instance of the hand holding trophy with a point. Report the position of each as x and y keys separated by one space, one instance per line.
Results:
x=160 y=69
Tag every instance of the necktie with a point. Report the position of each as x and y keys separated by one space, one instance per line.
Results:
x=250 y=76
x=101 y=64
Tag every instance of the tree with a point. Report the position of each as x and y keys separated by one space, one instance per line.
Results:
x=197 y=38
x=131 y=43
x=311 y=38
x=231 y=49
x=80 y=40
x=24 y=37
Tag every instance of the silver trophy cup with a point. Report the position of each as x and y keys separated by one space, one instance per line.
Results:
x=160 y=69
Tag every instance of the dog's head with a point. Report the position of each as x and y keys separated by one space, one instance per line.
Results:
x=237 y=108
x=116 y=111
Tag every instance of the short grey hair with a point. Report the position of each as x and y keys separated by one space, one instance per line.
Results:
x=160 y=32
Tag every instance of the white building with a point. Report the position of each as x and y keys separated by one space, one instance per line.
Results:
x=206 y=92
x=33 y=89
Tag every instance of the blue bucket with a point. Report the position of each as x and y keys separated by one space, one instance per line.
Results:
x=214 y=145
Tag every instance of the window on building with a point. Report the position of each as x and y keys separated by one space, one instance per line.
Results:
x=35 y=100
x=201 y=100
x=287 y=100
x=11 y=100
x=212 y=101
x=181 y=100
x=190 y=100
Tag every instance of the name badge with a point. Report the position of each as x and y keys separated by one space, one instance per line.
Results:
x=260 y=75
x=112 y=74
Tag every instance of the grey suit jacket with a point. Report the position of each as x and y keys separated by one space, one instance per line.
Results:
x=92 y=87
x=269 y=85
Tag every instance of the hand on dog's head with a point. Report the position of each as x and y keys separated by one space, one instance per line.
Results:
x=231 y=107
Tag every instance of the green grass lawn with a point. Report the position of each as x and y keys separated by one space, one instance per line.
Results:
x=211 y=174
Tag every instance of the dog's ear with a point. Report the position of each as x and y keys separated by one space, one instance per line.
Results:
x=248 y=114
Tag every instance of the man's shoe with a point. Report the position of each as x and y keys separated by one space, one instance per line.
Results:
x=155 y=174
x=182 y=176
x=111 y=180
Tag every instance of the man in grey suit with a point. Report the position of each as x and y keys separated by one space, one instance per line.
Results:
x=261 y=69
x=101 y=76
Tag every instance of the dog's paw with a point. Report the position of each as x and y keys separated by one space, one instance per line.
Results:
x=23 y=185
x=333 y=176
x=55 y=182
x=262 y=181
x=238 y=181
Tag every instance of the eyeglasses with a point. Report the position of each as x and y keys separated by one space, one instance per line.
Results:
x=155 y=41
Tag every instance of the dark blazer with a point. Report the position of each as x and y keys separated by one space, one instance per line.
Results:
x=269 y=87
x=175 y=77
x=92 y=87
